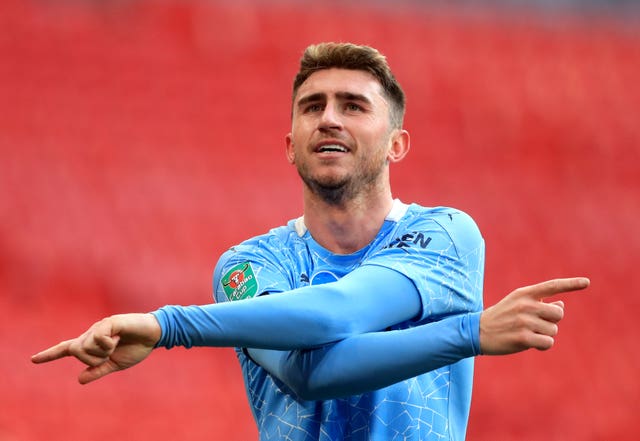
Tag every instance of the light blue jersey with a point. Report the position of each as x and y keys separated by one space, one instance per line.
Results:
x=441 y=251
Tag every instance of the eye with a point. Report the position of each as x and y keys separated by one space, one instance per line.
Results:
x=353 y=107
x=316 y=107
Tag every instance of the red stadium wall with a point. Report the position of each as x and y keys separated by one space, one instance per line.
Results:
x=138 y=140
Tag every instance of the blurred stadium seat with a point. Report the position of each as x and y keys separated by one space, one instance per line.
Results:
x=138 y=140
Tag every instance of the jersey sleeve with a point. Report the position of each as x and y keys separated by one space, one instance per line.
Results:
x=338 y=369
x=443 y=255
x=367 y=299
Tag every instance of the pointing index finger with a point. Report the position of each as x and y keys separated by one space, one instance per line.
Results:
x=53 y=353
x=556 y=286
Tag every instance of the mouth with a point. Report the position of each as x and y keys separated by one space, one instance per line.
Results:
x=331 y=148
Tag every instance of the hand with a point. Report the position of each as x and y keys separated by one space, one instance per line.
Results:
x=522 y=320
x=112 y=344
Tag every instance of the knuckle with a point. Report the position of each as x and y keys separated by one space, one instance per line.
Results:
x=551 y=313
x=557 y=312
x=545 y=342
x=75 y=348
x=551 y=285
x=522 y=321
x=526 y=305
x=524 y=338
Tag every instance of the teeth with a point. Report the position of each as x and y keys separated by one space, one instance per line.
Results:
x=332 y=148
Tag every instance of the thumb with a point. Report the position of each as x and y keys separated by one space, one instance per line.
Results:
x=93 y=373
x=552 y=287
x=559 y=303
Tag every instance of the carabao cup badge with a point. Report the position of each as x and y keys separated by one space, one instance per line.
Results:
x=240 y=282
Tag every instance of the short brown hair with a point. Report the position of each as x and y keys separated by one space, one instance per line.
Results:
x=355 y=57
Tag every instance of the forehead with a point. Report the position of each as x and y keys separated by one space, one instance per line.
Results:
x=334 y=81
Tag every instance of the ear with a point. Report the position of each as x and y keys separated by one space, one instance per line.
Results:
x=400 y=144
x=290 y=151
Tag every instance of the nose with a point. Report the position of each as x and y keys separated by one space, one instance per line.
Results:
x=330 y=118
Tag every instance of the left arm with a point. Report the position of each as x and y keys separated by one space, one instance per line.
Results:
x=522 y=320
x=373 y=360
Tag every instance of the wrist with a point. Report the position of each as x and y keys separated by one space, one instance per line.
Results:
x=138 y=327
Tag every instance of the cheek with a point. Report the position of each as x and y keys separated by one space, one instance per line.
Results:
x=378 y=144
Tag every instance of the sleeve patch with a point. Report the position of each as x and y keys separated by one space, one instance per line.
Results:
x=240 y=282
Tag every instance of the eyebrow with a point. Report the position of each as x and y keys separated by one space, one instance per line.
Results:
x=321 y=96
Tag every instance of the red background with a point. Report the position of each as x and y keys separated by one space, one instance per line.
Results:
x=138 y=140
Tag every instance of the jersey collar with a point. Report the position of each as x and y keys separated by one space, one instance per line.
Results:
x=398 y=209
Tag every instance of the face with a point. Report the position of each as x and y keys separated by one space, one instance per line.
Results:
x=341 y=139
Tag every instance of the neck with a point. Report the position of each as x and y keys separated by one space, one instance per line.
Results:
x=349 y=226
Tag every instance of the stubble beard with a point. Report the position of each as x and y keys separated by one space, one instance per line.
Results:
x=337 y=191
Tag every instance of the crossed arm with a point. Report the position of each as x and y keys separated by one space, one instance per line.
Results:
x=520 y=321
x=372 y=360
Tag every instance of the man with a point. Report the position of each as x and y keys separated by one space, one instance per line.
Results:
x=360 y=319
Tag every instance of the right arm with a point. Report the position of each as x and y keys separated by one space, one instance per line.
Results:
x=303 y=318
